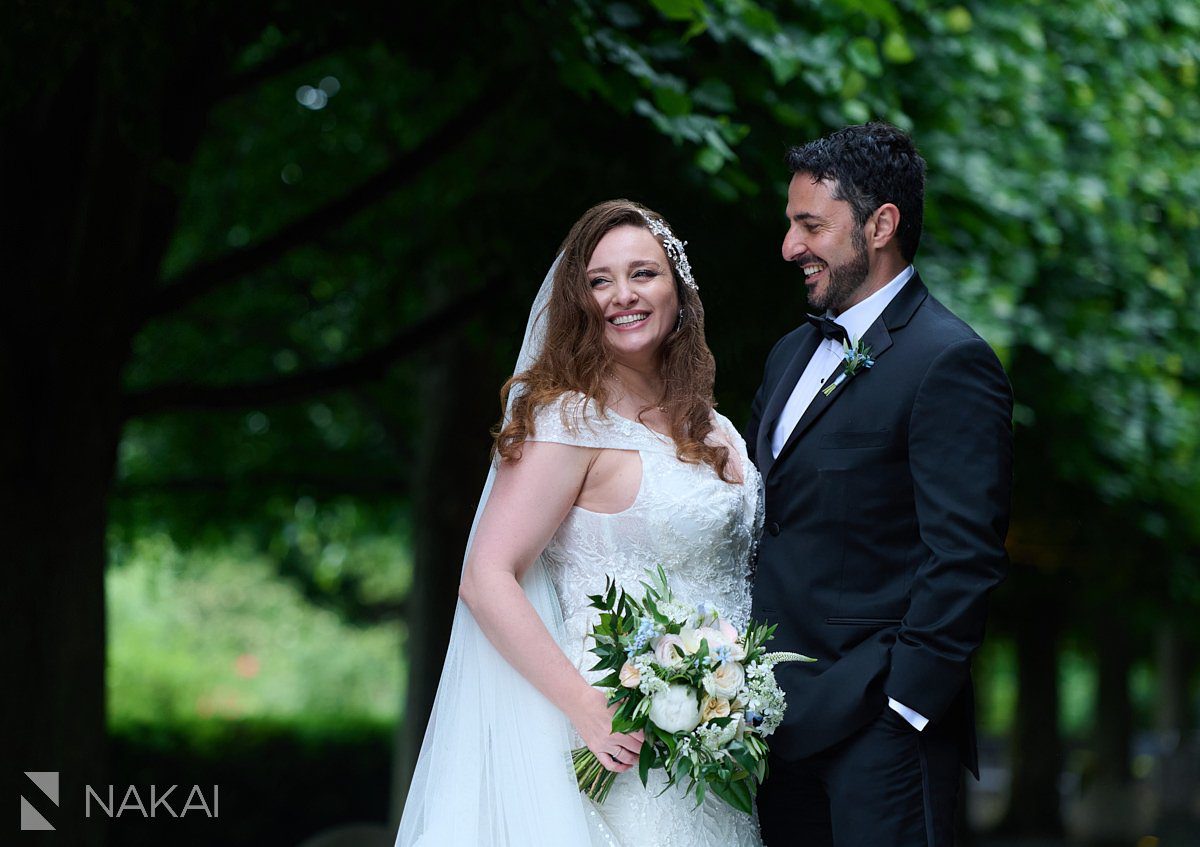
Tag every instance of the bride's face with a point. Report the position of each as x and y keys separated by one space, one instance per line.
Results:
x=632 y=282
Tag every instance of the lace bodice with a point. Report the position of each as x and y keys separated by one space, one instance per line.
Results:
x=702 y=531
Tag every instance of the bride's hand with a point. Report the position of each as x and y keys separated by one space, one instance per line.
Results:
x=616 y=751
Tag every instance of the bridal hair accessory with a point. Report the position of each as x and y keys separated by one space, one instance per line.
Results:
x=674 y=249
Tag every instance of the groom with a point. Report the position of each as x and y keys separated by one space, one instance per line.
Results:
x=887 y=500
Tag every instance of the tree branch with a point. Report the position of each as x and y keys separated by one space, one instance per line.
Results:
x=202 y=278
x=369 y=367
x=285 y=60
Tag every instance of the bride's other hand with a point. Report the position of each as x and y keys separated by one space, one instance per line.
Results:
x=530 y=498
x=592 y=719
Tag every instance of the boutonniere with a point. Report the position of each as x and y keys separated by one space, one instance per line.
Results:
x=855 y=357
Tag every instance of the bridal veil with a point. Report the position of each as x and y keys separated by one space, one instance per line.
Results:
x=495 y=768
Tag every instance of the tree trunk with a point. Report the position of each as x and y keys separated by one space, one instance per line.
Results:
x=458 y=399
x=1034 y=804
x=55 y=509
x=89 y=228
x=1179 y=748
x=1176 y=661
x=71 y=256
x=1114 y=708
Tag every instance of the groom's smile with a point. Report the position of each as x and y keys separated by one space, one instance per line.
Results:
x=811 y=270
x=823 y=241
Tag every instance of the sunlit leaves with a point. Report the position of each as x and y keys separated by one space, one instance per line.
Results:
x=896 y=48
x=680 y=10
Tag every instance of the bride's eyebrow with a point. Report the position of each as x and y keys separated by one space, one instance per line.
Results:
x=636 y=263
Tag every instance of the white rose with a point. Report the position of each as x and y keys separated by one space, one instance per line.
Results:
x=676 y=709
x=725 y=680
x=714 y=707
x=668 y=650
x=630 y=675
x=692 y=637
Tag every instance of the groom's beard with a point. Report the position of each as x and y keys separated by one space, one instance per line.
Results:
x=845 y=279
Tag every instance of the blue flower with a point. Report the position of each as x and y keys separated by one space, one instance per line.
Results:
x=858 y=356
x=645 y=631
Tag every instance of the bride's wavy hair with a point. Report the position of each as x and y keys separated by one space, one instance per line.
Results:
x=575 y=356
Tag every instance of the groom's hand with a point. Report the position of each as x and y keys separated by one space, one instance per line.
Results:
x=960 y=455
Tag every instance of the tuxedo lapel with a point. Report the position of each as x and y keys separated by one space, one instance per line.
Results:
x=878 y=338
x=781 y=393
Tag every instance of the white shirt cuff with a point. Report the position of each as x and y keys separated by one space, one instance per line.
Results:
x=918 y=721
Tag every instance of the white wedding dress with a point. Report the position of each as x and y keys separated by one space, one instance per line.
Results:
x=495 y=766
x=702 y=531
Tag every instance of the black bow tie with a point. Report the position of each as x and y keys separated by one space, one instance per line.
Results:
x=828 y=328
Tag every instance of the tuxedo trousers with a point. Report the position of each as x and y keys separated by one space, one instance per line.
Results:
x=887 y=785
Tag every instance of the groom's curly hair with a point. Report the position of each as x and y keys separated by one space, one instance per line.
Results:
x=575 y=356
x=869 y=165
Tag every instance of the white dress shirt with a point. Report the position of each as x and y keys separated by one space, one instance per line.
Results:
x=856 y=321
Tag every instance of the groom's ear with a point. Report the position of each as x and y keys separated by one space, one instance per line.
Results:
x=883 y=226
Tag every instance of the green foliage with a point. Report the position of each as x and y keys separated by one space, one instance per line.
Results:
x=214 y=634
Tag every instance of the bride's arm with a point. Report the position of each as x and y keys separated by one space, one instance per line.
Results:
x=529 y=499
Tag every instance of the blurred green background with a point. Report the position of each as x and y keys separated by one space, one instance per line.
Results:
x=266 y=264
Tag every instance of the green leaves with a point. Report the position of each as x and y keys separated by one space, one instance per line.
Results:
x=646 y=760
x=736 y=793
x=680 y=10
x=957 y=20
x=896 y=48
x=865 y=57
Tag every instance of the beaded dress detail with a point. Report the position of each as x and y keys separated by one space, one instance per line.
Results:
x=703 y=532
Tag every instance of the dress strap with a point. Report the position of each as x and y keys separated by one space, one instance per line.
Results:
x=573 y=419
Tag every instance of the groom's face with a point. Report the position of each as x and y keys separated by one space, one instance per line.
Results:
x=824 y=243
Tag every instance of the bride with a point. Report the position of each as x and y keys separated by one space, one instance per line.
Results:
x=610 y=461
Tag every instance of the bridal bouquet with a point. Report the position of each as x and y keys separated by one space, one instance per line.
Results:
x=704 y=694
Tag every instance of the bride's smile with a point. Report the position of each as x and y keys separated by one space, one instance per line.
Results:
x=632 y=282
x=628 y=321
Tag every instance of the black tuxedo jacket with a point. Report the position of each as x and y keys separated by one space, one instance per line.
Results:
x=886 y=512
